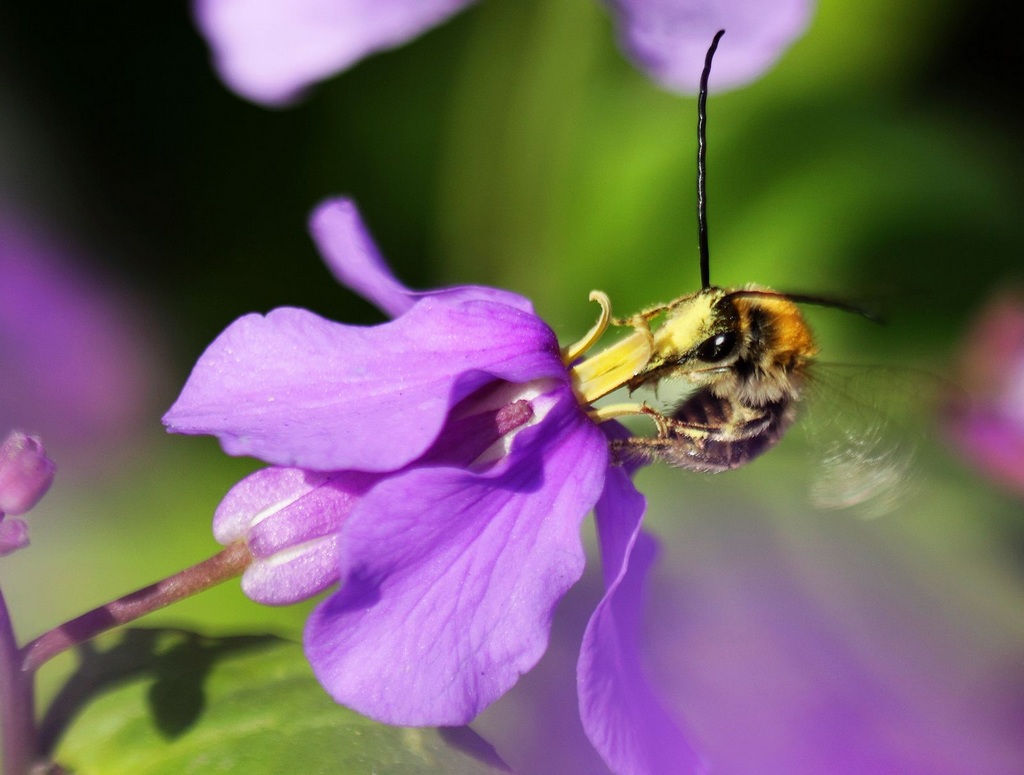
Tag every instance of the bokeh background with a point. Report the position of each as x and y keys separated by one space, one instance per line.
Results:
x=514 y=146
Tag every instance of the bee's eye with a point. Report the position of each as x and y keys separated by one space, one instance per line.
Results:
x=716 y=348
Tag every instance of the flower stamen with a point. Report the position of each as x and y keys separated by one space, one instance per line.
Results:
x=574 y=351
x=611 y=411
x=612 y=368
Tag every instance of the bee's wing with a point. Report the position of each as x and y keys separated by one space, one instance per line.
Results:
x=865 y=425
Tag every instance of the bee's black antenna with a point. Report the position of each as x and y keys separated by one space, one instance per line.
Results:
x=702 y=167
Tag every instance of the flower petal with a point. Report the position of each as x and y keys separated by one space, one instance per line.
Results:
x=623 y=717
x=669 y=38
x=294 y=389
x=258 y=496
x=353 y=258
x=289 y=518
x=290 y=577
x=270 y=50
x=451 y=577
x=985 y=417
x=77 y=357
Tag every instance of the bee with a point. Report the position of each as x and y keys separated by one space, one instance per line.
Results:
x=745 y=352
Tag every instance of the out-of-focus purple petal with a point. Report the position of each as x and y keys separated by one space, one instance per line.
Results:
x=823 y=646
x=623 y=717
x=986 y=419
x=992 y=444
x=13 y=535
x=669 y=38
x=450 y=577
x=76 y=365
x=352 y=256
x=294 y=389
x=26 y=473
x=269 y=51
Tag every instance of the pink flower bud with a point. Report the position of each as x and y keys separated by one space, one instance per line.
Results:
x=13 y=535
x=26 y=473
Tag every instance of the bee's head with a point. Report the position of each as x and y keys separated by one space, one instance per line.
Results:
x=751 y=343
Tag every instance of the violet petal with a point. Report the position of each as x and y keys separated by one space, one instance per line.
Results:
x=450 y=577
x=289 y=518
x=77 y=361
x=669 y=38
x=269 y=51
x=621 y=714
x=294 y=389
x=353 y=258
x=289 y=577
x=317 y=513
x=258 y=496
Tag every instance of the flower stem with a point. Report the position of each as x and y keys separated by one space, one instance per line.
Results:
x=17 y=717
x=209 y=573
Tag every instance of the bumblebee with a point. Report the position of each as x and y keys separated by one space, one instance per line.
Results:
x=745 y=352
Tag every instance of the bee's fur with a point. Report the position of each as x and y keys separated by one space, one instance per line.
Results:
x=744 y=401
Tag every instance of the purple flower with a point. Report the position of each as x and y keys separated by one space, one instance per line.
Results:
x=26 y=473
x=439 y=467
x=796 y=644
x=270 y=51
x=77 y=364
x=987 y=419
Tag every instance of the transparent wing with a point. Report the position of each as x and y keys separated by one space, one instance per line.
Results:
x=865 y=425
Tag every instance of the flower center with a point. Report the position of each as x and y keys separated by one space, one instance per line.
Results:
x=483 y=426
x=513 y=416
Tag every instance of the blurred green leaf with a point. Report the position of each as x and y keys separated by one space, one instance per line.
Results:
x=166 y=701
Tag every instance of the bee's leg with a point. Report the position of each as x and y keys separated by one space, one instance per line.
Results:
x=669 y=427
x=677 y=443
x=641 y=321
x=676 y=450
x=692 y=448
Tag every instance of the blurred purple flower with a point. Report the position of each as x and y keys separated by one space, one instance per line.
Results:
x=439 y=466
x=270 y=51
x=76 y=369
x=804 y=646
x=669 y=38
x=987 y=418
x=26 y=473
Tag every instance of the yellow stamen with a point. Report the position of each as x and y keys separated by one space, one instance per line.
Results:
x=611 y=411
x=574 y=351
x=612 y=368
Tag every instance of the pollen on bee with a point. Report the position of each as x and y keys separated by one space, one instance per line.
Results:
x=683 y=329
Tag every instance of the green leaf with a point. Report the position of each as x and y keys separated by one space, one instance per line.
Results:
x=171 y=702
